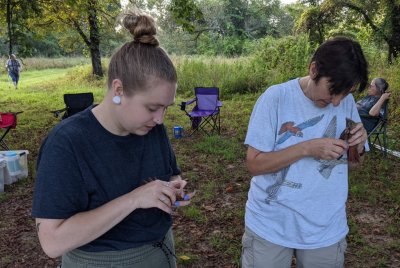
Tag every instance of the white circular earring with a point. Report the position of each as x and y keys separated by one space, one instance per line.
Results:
x=116 y=99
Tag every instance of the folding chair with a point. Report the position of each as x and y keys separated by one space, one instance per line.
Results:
x=74 y=103
x=205 y=115
x=378 y=134
x=7 y=122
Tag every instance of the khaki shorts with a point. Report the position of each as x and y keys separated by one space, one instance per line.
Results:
x=259 y=253
x=144 y=256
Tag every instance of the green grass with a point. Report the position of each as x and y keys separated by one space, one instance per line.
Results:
x=216 y=145
x=4 y=196
x=194 y=214
x=208 y=189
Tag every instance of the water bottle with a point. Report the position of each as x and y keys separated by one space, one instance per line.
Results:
x=178 y=132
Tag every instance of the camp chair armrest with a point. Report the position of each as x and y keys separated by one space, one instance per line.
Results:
x=190 y=101
x=56 y=113
x=186 y=103
x=379 y=118
x=370 y=116
x=219 y=104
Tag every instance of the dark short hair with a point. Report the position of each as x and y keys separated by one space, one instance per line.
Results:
x=342 y=61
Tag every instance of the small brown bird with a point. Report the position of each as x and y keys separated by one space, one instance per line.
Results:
x=352 y=154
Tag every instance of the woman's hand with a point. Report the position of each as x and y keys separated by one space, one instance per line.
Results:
x=385 y=96
x=156 y=193
x=162 y=194
x=182 y=199
x=326 y=148
x=358 y=137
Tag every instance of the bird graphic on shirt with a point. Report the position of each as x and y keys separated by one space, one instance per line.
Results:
x=280 y=180
x=289 y=129
x=326 y=166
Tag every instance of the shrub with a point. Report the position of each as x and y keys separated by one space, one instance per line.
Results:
x=231 y=75
x=284 y=58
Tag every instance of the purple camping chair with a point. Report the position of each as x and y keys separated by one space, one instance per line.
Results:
x=205 y=115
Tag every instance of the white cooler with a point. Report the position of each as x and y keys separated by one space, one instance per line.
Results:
x=12 y=175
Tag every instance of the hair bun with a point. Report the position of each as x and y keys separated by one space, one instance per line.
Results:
x=142 y=27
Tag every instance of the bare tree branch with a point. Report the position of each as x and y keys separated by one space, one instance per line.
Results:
x=80 y=32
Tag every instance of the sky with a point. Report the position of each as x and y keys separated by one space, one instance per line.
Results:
x=287 y=1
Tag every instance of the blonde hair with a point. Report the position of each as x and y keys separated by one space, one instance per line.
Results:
x=140 y=60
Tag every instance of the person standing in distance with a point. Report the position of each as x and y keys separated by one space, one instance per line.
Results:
x=107 y=178
x=297 y=199
x=13 y=68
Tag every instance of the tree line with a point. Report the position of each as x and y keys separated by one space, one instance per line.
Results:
x=211 y=27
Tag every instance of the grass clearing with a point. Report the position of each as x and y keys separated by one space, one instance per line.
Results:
x=209 y=231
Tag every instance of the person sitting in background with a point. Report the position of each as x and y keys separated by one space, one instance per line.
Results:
x=372 y=104
x=13 y=68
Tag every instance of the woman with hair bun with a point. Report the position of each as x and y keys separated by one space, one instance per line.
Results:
x=107 y=178
x=372 y=105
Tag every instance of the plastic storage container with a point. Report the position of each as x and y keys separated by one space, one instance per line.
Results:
x=13 y=166
x=3 y=165
x=16 y=165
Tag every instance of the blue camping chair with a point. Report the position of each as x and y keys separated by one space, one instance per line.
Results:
x=205 y=116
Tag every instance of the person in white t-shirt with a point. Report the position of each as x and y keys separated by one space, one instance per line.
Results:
x=297 y=199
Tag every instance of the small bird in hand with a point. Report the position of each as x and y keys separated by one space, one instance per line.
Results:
x=352 y=154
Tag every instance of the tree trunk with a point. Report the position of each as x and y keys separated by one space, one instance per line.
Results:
x=94 y=36
x=9 y=27
x=394 y=39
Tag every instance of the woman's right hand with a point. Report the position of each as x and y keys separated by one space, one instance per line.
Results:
x=386 y=96
x=326 y=148
x=157 y=193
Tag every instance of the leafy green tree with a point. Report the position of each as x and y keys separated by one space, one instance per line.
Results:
x=85 y=17
x=225 y=27
x=382 y=16
x=16 y=14
x=267 y=18
x=317 y=19
x=185 y=13
x=312 y=21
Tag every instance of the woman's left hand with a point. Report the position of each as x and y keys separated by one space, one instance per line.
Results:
x=358 y=137
x=182 y=199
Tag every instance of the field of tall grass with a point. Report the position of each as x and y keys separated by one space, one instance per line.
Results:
x=30 y=64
